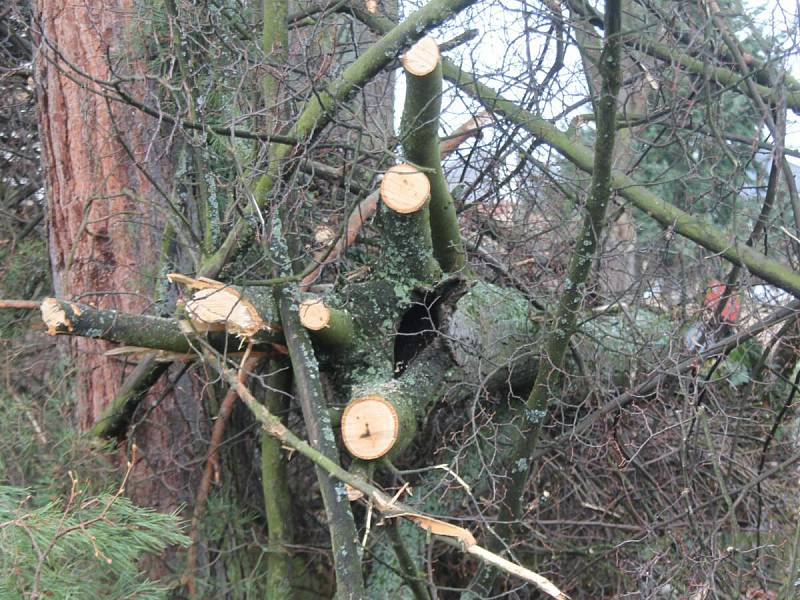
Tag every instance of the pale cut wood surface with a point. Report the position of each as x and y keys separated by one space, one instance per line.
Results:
x=216 y=306
x=405 y=189
x=314 y=315
x=369 y=427
x=422 y=58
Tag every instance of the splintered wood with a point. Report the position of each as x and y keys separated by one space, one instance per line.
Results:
x=369 y=427
x=405 y=189
x=422 y=58
x=55 y=317
x=223 y=306
x=215 y=306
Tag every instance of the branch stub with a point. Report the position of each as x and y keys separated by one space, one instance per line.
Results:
x=370 y=427
x=55 y=317
x=405 y=189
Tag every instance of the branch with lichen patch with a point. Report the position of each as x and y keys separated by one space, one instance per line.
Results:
x=72 y=318
x=349 y=579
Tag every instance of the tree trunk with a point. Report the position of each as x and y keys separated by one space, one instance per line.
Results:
x=104 y=227
x=100 y=234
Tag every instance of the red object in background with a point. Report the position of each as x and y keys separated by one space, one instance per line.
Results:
x=730 y=312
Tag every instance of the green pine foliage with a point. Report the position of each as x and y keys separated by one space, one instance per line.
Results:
x=60 y=539
x=83 y=547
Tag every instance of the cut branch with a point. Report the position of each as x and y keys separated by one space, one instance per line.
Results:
x=422 y=58
x=71 y=318
x=705 y=235
x=367 y=207
x=320 y=108
x=471 y=127
x=370 y=426
x=329 y=326
x=407 y=249
x=420 y=135
x=140 y=331
x=405 y=189
x=484 y=340
x=244 y=312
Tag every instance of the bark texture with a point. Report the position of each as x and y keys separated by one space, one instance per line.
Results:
x=104 y=227
x=102 y=236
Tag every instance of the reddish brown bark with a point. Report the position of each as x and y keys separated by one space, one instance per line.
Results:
x=100 y=234
x=104 y=225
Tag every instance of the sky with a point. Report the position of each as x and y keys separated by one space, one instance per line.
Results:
x=499 y=24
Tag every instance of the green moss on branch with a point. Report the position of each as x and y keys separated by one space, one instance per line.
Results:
x=419 y=131
x=319 y=109
x=277 y=495
x=72 y=318
x=330 y=327
x=406 y=250
x=704 y=234
x=114 y=419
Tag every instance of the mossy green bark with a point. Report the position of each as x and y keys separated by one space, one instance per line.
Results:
x=488 y=338
x=346 y=554
x=277 y=496
x=114 y=326
x=700 y=232
x=319 y=109
x=704 y=234
x=115 y=417
x=401 y=546
x=275 y=43
x=339 y=332
x=492 y=334
x=374 y=308
x=419 y=131
x=406 y=247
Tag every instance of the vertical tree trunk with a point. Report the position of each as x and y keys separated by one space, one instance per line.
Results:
x=104 y=225
x=101 y=236
x=617 y=265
